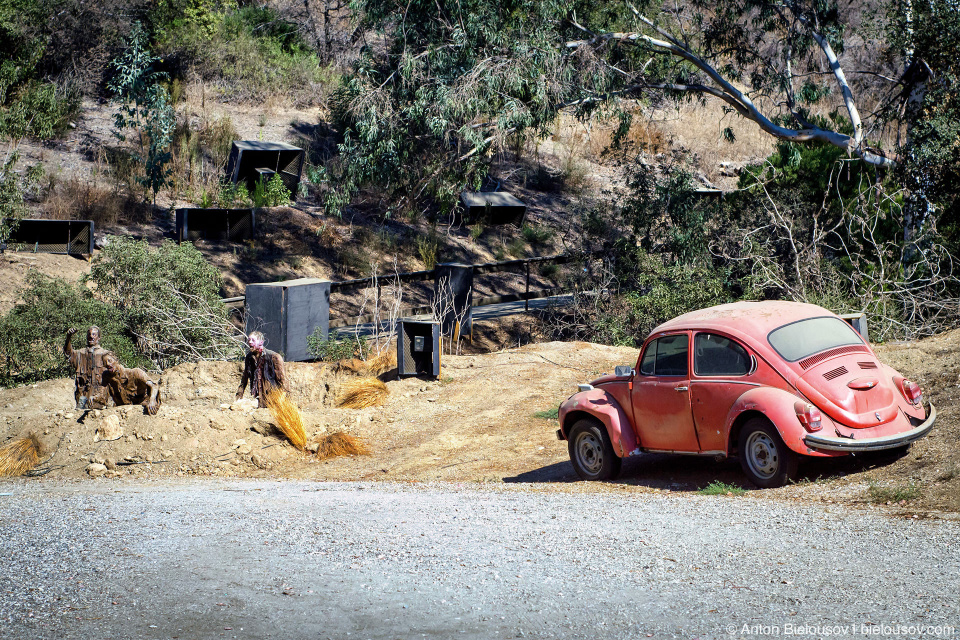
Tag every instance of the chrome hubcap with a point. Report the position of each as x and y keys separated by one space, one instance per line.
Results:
x=589 y=453
x=762 y=455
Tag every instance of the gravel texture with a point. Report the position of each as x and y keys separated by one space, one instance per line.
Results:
x=256 y=559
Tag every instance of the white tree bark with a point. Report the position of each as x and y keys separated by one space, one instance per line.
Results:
x=741 y=103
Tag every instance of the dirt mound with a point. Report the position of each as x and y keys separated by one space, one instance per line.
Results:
x=478 y=423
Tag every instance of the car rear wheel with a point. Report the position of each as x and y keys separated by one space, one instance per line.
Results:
x=591 y=451
x=765 y=459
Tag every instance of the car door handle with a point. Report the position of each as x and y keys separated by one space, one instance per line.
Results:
x=680 y=388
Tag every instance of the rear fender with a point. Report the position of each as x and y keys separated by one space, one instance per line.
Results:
x=600 y=405
x=777 y=406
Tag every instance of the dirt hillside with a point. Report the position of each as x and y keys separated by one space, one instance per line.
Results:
x=476 y=424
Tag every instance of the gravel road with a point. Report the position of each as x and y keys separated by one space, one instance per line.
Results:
x=258 y=559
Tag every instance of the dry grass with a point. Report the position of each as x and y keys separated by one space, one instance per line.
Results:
x=379 y=365
x=84 y=199
x=362 y=393
x=287 y=416
x=341 y=444
x=20 y=455
x=372 y=367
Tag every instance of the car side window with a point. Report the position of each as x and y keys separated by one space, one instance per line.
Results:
x=718 y=356
x=672 y=355
x=666 y=356
x=649 y=359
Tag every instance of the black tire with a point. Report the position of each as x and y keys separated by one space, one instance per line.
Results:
x=591 y=451
x=765 y=459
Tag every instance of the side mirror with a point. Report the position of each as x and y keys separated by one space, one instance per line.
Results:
x=623 y=371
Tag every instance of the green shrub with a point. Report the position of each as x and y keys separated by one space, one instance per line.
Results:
x=232 y=195
x=548 y=414
x=33 y=332
x=248 y=53
x=12 y=190
x=335 y=349
x=427 y=247
x=717 y=488
x=536 y=235
x=270 y=193
x=169 y=298
x=895 y=493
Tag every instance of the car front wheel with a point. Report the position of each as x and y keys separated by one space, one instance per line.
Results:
x=591 y=451
x=766 y=460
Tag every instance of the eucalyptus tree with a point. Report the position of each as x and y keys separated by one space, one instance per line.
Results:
x=446 y=80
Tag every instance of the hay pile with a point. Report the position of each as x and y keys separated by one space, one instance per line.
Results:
x=362 y=393
x=341 y=444
x=372 y=367
x=287 y=416
x=20 y=455
x=381 y=364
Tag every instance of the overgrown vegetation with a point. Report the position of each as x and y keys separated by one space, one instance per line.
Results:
x=169 y=298
x=13 y=187
x=32 y=333
x=336 y=349
x=717 y=488
x=881 y=494
x=155 y=307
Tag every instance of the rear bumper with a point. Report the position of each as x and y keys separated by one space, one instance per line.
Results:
x=825 y=443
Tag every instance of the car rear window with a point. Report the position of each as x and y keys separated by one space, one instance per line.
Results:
x=798 y=340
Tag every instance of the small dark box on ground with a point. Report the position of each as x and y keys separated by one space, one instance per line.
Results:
x=73 y=237
x=216 y=224
x=251 y=160
x=493 y=207
x=287 y=313
x=418 y=349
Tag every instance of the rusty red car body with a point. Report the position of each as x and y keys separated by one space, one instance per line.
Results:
x=767 y=382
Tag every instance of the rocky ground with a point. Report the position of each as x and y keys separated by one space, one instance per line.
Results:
x=477 y=423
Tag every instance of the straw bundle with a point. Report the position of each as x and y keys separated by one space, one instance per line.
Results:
x=287 y=416
x=362 y=393
x=341 y=444
x=20 y=455
x=379 y=365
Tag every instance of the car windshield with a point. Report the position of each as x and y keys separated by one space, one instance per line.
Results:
x=798 y=340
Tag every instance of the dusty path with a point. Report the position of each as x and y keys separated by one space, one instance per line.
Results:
x=253 y=559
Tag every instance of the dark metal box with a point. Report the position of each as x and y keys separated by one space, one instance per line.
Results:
x=249 y=158
x=493 y=207
x=216 y=224
x=287 y=313
x=418 y=348
x=74 y=237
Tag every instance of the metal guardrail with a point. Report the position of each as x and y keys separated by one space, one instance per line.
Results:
x=428 y=274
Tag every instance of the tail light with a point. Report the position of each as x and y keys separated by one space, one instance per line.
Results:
x=911 y=391
x=809 y=416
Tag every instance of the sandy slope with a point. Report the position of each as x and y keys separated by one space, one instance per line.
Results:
x=476 y=424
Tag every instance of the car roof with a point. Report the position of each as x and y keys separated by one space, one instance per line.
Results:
x=747 y=319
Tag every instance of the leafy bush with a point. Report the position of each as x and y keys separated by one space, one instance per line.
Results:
x=270 y=193
x=144 y=106
x=169 y=298
x=232 y=194
x=12 y=189
x=335 y=349
x=248 y=53
x=33 y=332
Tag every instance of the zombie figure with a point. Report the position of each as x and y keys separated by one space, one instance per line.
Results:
x=130 y=386
x=262 y=368
x=89 y=367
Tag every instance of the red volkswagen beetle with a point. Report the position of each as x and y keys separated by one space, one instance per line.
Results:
x=767 y=382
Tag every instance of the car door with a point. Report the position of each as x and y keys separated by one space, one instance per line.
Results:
x=723 y=370
x=661 y=395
